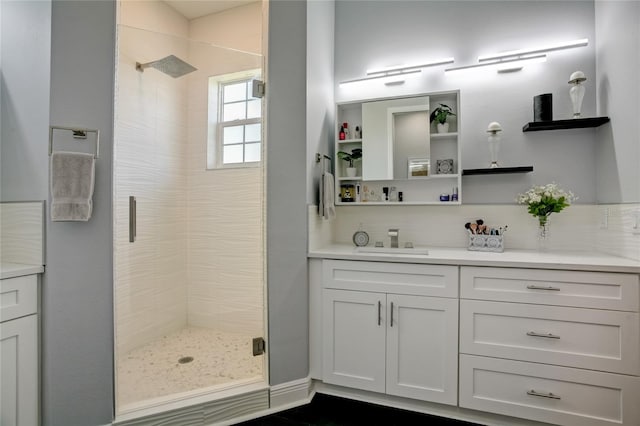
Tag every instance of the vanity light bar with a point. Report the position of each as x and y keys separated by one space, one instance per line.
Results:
x=398 y=71
x=518 y=54
x=504 y=65
x=403 y=68
x=390 y=75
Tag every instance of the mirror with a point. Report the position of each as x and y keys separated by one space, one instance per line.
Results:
x=394 y=131
x=409 y=136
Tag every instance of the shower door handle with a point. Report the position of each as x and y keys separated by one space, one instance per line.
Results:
x=132 y=219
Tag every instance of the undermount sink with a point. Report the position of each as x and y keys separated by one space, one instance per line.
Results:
x=392 y=250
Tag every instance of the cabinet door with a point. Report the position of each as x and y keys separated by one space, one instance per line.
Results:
x=422 y=348
x=354 y=339
x=19 y=372
x=378 y=135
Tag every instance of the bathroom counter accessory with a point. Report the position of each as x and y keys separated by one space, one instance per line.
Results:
x=494 y=243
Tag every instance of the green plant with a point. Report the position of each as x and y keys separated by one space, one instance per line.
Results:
x=441 y=114
x=350 y=157
x=543 y=200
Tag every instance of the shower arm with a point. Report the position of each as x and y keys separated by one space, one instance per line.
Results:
x=140 y=67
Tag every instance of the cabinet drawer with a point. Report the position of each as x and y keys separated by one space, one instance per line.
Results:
x=573 y=337
x=403 y=278
x=557 y=395
x=601 y=290
x=18 y=297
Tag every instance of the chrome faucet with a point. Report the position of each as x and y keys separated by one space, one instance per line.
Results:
x=393 y=233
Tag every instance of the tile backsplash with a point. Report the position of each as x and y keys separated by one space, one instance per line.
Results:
x=576 y=228
x=22 y=232
x=616 y=234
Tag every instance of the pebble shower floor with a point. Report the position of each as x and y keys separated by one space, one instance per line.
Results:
x=162 y=367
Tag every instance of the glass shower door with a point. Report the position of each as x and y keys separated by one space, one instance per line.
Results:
x=189 y=287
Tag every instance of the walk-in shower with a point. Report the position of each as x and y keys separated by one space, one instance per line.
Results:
x=170 y=65
x=190 y=288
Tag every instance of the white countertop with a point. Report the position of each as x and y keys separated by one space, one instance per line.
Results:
x=581 y=261
x=11 y=270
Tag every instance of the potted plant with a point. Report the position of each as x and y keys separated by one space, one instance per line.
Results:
x=350 y=157
x=440 y=115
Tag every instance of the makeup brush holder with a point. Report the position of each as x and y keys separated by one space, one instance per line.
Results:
x=480 y=242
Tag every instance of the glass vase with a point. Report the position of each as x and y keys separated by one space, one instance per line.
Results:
x=577 y=95
x=494 y=149
x=543 y=235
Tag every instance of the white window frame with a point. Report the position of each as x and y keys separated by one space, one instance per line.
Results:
x=215 y=139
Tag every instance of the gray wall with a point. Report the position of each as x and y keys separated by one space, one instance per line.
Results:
x=373 y=34
x=618 y=87
x=320 y=100
x=25 y=46
x=286 y=192
x=57 y=67
x=77 y=293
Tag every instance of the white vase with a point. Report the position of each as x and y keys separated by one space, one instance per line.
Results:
x=577 y=95
x=443 y=127
x=351 y=171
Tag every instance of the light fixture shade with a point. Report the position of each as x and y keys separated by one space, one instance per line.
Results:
x=494 y=127
x=577 y=77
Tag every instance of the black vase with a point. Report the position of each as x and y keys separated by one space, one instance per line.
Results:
x=543 y=107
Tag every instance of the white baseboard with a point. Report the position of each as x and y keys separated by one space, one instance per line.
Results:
x=282 y=397
x=290 y=394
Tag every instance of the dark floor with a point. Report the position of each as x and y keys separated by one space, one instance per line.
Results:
x=327 y=410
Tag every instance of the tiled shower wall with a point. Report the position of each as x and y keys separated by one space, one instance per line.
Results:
x=225 y=236
x=198 y=256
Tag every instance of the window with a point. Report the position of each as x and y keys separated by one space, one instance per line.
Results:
x=237 y=125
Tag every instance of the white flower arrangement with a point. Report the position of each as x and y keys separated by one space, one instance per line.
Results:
x=542 y=200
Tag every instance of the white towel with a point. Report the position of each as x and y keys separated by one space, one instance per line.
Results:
x=328 y=196
x=72 y=181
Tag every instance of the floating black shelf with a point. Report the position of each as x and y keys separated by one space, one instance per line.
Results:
x=574 y=123
x=497 y=170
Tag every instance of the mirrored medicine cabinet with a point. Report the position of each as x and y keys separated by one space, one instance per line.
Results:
x=401 y=149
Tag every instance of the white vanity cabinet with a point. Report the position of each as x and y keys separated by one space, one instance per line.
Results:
x=19 y=351
x=561 y=347
x=391 y=328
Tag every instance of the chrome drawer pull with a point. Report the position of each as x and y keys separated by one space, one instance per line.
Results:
x=546 y=335
x=391 y=314
x=543 y=395
x=379 y=312
x=539 y=287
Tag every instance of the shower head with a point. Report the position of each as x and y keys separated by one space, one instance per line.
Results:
x=171 y=65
